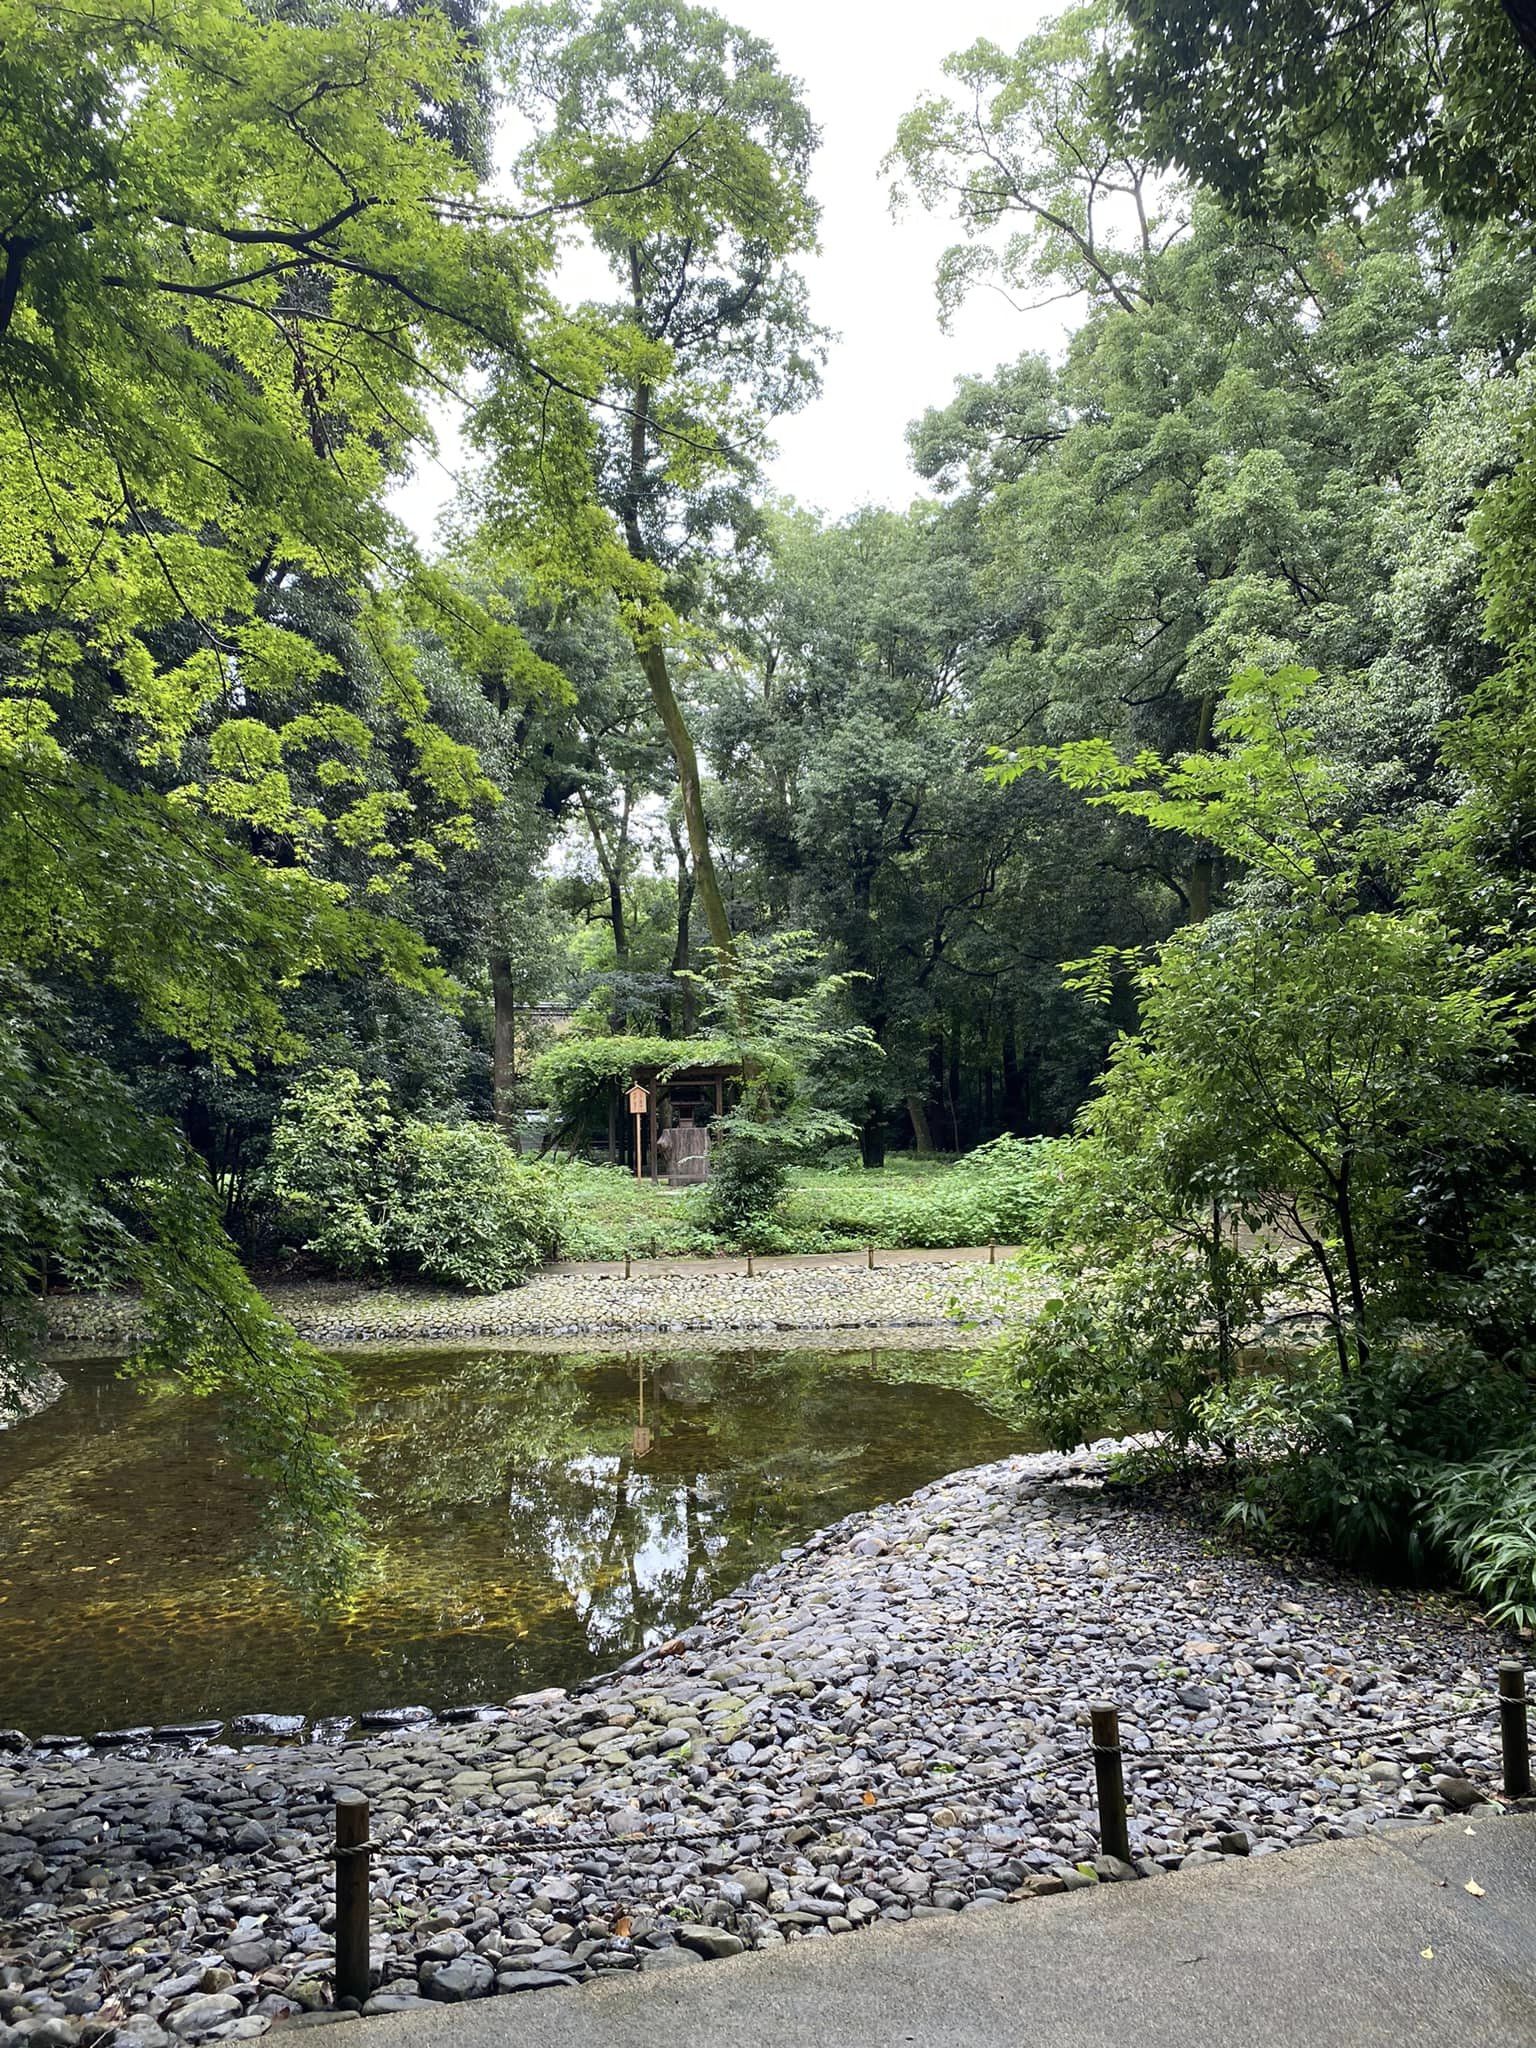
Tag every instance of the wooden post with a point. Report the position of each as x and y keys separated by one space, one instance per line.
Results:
x=869 y=1256
x=749 y=1265
x=654 y=1176
x=638 y=1101
x=1109 y=1772
x=626 y=1265
x=352 y=1846
x=1513 y=1729
x=991 y=1254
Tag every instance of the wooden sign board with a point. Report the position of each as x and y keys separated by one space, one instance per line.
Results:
x=639 y=1102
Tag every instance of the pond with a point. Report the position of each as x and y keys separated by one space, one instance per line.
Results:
x=537 y=1516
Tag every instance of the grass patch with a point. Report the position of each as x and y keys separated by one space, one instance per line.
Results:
x=986 y=1196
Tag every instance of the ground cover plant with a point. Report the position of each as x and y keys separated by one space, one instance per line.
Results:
x=991 y=1196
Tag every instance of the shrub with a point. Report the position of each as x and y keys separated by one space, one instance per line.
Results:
x=362 y=1191
x=1003 y=1183
x=1484 y=1514
x=468 y=1211
x=331 y=1168
x=747 y=1181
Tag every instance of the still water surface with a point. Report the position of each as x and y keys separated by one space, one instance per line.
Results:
x=533 y=1524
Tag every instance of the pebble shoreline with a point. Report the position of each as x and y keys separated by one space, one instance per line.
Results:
x=559 y=1304
x=923 y=1669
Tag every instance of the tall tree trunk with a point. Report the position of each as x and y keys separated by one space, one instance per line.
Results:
x=872 y=1135
x=1013 y=1088
x=683 y=992
x=1202 y=869
x=612 y=862
x=653 y=662
x=1344 y=1209
x=504 y=1048
x=1200 y=882
x=917 y=1109
x=933 y=1100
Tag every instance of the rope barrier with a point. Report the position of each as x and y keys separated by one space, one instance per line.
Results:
x=549 y=1839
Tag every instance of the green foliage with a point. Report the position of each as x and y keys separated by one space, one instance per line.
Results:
x=466 y=1211
x=1443 y=94
x=747 y=1180
x=1030 y=145
x=111 y=1197
x=1244 y=524
x=362 y=1189
x=1316 y=1131
x=576 y=1073
x=218 y=321
x=671 y=138
x=609 y=1212
x=239 y=252
x=1356 y=1465
x=332 y=1168
x=1484 y=1514
x=794 y=1044
x=994 y=1195
x=698 y=147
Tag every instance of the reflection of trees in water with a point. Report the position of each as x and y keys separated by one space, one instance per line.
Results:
x=632 y=1544
x=522 y=1538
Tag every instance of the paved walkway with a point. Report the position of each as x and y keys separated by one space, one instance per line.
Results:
x=794 y=1262
x=1368 y=1944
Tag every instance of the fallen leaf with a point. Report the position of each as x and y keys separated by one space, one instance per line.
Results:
x=1428 y=1954
x=1474 y=1888
x=870 y=1799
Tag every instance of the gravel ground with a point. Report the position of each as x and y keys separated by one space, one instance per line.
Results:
x=909 y=1295
x=888 y=1723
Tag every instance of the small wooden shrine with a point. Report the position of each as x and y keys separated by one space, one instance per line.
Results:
x=669 y=1110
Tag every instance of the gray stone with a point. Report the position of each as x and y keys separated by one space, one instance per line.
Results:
x=251 y=1957
x=142 y=2031
x=201 y=2015
x=469 y=1977
x=1460 y=1793
x=710 y=1941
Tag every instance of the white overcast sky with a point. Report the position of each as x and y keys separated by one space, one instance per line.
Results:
x=862 y=66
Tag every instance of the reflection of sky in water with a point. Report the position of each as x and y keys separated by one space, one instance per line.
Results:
x=524 y=1535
